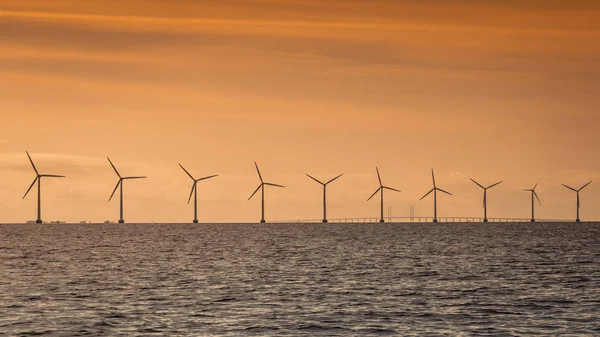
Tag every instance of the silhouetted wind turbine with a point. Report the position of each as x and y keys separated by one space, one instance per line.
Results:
x=485 y=197
x=577 y=191
x=120 y=184
x=533 y=194
x=434 y=190
x=38 y=179
x=380 y=189
x=195 y=191
x=324 y=193
x=262 y=187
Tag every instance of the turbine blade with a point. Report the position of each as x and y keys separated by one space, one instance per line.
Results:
x=536 y=184
x=371 y=197
x=441 y=190
x=186 y=171
x=113 y=166
x=496 y=184
x=332 y=180
x=584 y=186
x=571 y=188
x=538 y=199
x=378 y=176
x=478 y=184
x=428 y=193
x=113 y=193
x=392 y=189
x=51 y=176
x=144 y=177
x=30 y=187
x=315 y=179
x=433 y=178
x=32 y=164
x=258 y=188
x=275 y=185
x=208 y=177
x=259 y=175
x=192 y=192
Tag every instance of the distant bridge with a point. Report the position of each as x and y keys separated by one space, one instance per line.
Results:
x=417 y=219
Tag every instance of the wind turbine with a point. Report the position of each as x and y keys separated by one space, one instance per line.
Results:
x=262 y=187
x=324 y=193
x=38 y=180
x=533 y=194
x=120 y=184
x=434 y=190
x=485 y=197
x=195 y=191
x=380 y=189
x=577 y=191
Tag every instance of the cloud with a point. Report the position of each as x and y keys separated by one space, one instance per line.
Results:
x=88 y=44
x=492 y=89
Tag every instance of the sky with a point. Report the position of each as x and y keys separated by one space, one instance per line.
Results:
x=490 y=90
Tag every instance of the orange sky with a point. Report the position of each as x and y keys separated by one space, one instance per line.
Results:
x=494 y=90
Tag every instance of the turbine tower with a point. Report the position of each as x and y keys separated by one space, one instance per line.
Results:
x=577 y=191
x=195 y=191
x=120 y=184
x=324 y=193
x=38 y=180
x=380 y=189
x=434 y=190
x=485 y=219
x=262 y=187
x=533 y=197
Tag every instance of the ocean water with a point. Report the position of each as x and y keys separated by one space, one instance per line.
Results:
x=300 y=279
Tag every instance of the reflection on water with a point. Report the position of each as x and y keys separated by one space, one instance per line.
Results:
x=334 y=280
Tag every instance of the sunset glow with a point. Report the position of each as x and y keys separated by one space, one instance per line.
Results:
x=490 y=90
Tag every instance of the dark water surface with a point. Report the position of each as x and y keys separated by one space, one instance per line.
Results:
x=333 y=280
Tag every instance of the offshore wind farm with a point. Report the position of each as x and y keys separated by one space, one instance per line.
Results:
x=224 y=264
x=480 y=118
x=380 y=190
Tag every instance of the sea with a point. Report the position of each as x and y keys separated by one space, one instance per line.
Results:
x=414 y=279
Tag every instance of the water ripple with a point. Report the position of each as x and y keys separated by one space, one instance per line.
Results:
x=298 y=280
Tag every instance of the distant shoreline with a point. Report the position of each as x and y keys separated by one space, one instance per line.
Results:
x=301 y=223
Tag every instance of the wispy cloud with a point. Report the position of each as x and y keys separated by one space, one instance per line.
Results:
x=492 y=88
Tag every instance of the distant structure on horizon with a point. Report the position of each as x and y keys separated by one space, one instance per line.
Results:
x=195 y=191
x=577 y=191
x=262 y=188
x=533 y=194
x=120 y=184
x=38 y=180
x=434 y=190
x=485 y=219
x=324 y=193
x=263 y=185
x=381 y=189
